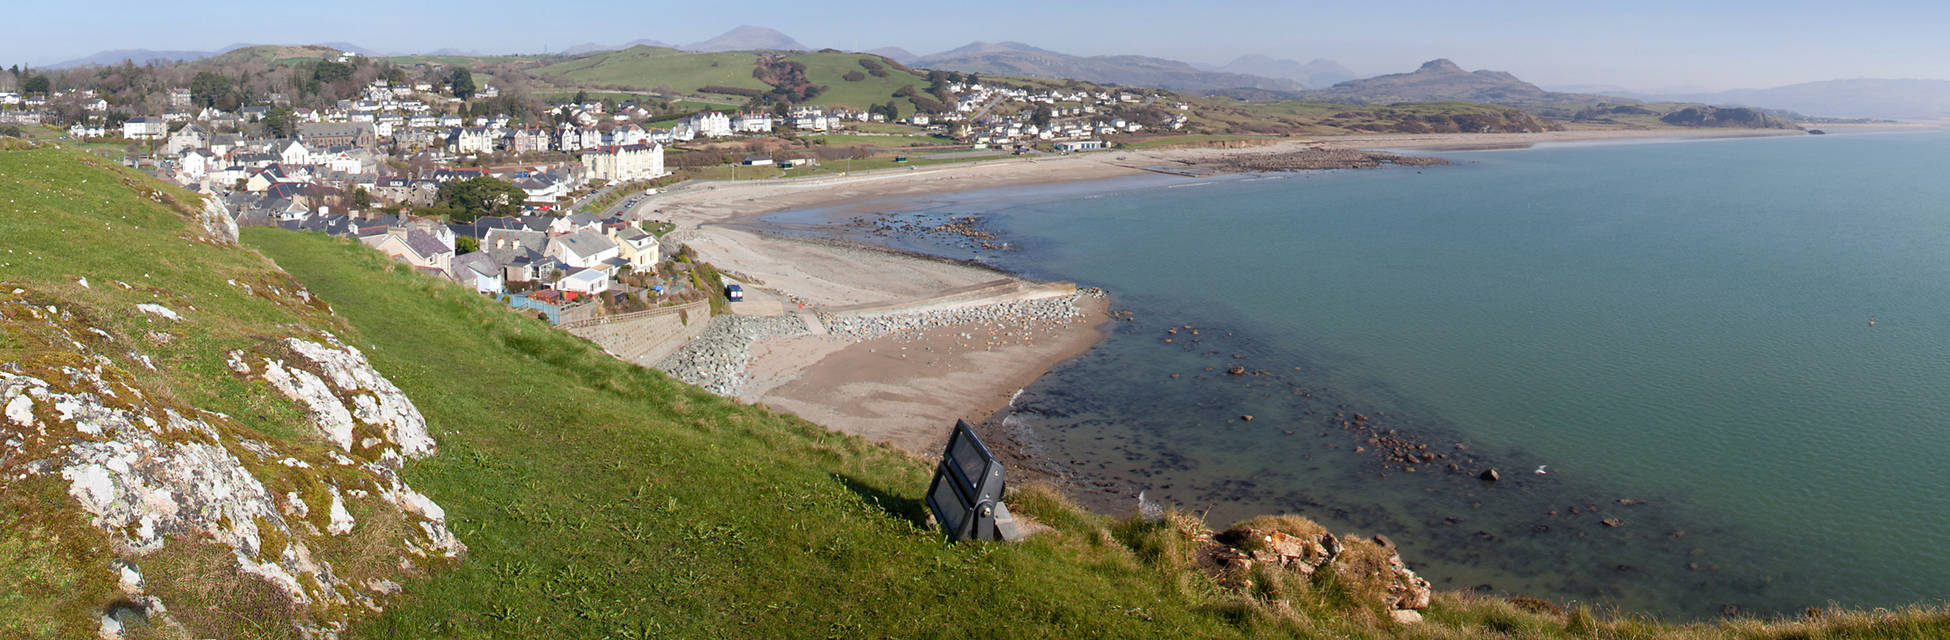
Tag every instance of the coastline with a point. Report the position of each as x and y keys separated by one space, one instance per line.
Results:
x=907 y=389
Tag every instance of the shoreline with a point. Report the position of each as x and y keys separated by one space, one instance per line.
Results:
x=862 y=386
x=704 y=202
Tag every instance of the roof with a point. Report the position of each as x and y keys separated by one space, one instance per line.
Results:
x=478 y=262
x=425 y=244
x=509 y=245
x=584 y=243
x=633 y=235
x=585 y=275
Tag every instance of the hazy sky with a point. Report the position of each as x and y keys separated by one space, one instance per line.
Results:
x=1645 y=45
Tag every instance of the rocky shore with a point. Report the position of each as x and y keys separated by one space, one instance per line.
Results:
x=1304 y=159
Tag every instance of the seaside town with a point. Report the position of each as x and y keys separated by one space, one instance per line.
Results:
x=540 y=208
x=747 y=338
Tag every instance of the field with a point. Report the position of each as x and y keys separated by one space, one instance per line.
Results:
x=466 y=61
x=1300 y=117
x=656 y=68
x=829 y=69
x=851 y=140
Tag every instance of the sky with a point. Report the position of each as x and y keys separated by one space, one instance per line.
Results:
x=1646 y=45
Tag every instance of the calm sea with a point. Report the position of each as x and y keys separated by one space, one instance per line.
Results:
x=1730 y=359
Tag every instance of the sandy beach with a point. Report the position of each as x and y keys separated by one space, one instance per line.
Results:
x=907 y=389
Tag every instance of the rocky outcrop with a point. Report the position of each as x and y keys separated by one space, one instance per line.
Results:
x=218 y=223
x=151 y=474
x=1371 y=568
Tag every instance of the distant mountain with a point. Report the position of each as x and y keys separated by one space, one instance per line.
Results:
x=138 y=56
x=895 y=54
x=591 y=47
x=748 y=38
x=1319 y=73
x=1907 y=99
x=1015 y=58
x=1440 y=79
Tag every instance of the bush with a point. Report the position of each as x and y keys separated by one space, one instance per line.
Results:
x=730 y=91
x=853 y=76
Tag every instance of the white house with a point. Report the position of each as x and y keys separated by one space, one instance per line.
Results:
x=637 y=246
x=710 y=124
x=84 y=131
x=292 y=152
x=194 y=164
x=187 y=138
x=145 y=128
x=478 y=270
x=585 y=281
x=625 y=163
x=585 y=248
x=470 y=140
x=752 y=123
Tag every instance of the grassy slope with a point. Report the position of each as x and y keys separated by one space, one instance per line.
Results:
x=65 y=216
x=830 y=69
x=598 y=498
x=648 y=68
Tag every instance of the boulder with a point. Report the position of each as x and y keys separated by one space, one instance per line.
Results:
x=1490 y=475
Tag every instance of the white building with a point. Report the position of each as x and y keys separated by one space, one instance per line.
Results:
x=710 y=124
x=752 y=123
x=145 y=128
x=624 y=163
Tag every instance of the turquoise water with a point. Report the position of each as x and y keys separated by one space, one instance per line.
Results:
x=1686 y=323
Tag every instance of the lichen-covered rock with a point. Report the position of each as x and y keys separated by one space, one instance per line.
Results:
x=342 y=391
x=150 y=475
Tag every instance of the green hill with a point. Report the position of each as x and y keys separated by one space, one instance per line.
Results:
x=831 y=70
x=596 y=499
x=643 y=68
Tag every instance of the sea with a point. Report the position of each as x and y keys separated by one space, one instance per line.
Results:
x=1713 y=376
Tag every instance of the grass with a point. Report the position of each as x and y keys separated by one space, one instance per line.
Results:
x=651 y=68
x=889 y=127
x=849 y=140
x=829 y=69
x=1326 y=118
x=603 y=500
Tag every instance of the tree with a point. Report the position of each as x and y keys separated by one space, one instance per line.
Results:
x=280 y=122
x=34 y=84
x=466 y=244
x=462 y=80
x=207 y=86
x=483 y=196
x=328 y=72
x=582 y=96
x=1042 y=116
x=361 y=199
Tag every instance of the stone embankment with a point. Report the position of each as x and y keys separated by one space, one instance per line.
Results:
x=718 y=359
